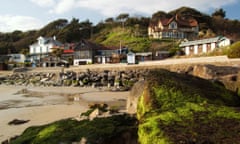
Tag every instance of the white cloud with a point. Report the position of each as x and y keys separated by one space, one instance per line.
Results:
x=9 y=23
x=114 y=7
x=44 y=3
x=64 y=6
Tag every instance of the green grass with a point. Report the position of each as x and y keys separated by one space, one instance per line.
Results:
x=125 y=36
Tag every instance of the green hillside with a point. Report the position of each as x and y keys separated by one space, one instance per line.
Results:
x=119 y=36
x=130 y=30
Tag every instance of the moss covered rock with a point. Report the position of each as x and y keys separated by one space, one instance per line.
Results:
x=115 y=129
x=179 y=108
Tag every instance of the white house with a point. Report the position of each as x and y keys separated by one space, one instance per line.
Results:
x=43 y=47
x=204 y=45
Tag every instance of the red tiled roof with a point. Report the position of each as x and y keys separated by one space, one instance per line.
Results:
x=68 y=51
x=188 y=22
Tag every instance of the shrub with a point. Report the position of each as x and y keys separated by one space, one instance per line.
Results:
x=234 y=51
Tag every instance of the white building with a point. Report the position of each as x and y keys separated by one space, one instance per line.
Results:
x=204 y=45
x=17 y=58
x=43 y=47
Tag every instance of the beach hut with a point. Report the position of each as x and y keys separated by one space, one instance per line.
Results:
x=131 y=58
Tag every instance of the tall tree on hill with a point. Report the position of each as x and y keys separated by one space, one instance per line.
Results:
x=219 y=13
x=122 y=18
x=71 y=32
x=86 y=29
x=53 y=28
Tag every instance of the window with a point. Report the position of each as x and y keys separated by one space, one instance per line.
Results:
x=173 y=25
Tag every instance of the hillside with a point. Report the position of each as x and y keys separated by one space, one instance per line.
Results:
x=124 y=37
x=130 y=30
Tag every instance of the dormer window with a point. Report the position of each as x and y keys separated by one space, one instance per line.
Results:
x=40 y=40
x=173 y=25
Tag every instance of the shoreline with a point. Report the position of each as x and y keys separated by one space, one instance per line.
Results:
x=49 y=108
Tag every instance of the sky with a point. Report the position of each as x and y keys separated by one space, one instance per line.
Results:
x=27 y=15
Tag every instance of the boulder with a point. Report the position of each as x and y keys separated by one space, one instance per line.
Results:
x=181 y=108
x=135 y=93
x=17 y=122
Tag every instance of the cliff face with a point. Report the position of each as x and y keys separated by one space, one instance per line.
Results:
x=180 y=108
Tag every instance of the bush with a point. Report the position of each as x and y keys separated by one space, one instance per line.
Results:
x=234 y=51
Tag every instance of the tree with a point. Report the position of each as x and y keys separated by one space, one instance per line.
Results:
x=122 y=18
x=219 y=13
x=71 y=32
x=57 y=52
x=159 y=14
x=86 y=29
x=109 y=20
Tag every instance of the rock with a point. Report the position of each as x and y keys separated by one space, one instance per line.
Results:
x=203 y=71
x=133 y=97
x=5 y=142
x=44 y=79
x=94 y=114
x=17 y=122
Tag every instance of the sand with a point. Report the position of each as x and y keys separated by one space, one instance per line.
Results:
x=47 y=104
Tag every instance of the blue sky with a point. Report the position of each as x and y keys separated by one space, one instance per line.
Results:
x=33 y=14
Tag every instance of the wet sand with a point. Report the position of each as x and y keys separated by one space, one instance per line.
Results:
x=42 y=105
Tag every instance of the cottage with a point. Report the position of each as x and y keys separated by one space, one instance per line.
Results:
x=176 y=27
x=84 y=52
x=42 y=48
x=204 y=45
x=110 y=54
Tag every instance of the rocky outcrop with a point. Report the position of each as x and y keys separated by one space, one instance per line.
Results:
x=135 y=93
x=180 y=108
x=227 y=75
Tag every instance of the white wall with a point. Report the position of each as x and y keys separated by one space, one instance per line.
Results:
x=213 y=46
x=225 y=42
x=187 y=51
x=204 y=48
x=196 y=49
x=76 y=61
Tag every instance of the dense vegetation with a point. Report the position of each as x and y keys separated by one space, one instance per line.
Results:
x=234 y=50
x=130 y=30
x=179 y=108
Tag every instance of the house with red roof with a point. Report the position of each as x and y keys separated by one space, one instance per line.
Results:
x=176 y=27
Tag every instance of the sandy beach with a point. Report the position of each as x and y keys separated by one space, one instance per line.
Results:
x=42 y=105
